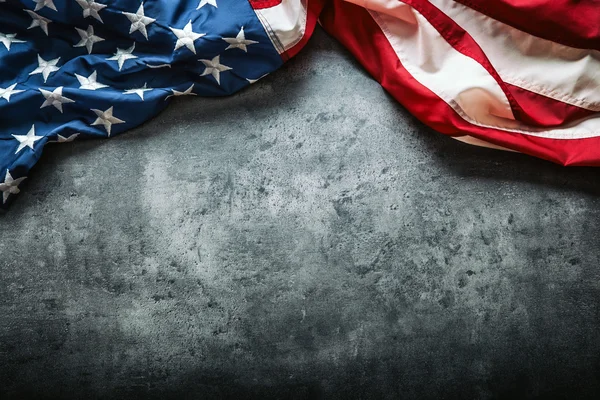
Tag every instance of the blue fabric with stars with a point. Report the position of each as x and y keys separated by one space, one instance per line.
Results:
x=74 y=69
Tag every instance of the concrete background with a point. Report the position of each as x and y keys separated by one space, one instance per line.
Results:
x=306 y=238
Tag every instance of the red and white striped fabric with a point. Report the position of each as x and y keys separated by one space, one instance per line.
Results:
x=522 y=75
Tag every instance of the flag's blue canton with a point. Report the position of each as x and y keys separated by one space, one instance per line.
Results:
x=71 y=69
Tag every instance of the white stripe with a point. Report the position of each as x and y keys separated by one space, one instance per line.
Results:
x=437 y=65
x=285 y=23
x=461 y=81
x=481 y=143
x=551 y=69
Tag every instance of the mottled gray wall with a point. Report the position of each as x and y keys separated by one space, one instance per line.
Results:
x=305 y=238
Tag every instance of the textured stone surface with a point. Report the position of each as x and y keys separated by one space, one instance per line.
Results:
x=305 y=238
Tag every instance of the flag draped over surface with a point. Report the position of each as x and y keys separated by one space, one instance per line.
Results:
x=516 y=74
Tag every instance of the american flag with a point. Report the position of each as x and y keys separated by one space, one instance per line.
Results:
x=522 y=75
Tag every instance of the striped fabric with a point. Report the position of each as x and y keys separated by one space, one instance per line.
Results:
x=522 y=75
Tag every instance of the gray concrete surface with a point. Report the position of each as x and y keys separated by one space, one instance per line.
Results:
x=306 y=238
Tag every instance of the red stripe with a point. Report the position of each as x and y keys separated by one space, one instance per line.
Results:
x=574 y=23
x=260 y=4
x=539 y=110
x=370 y=46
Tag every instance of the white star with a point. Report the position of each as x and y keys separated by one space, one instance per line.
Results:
x=45 y=67
x=63 y=139
x=205 y=2
x=239 y=42
x=106 y=119
x=138 y=91
x=186 y=37
x=39 y=4
x=214 y=67
x=91 y=8
x=38 y=20
x=123 y=55
x=90 y=82
x=55 y=98
x=139 y=21
x=187 y=92
x=9 y=91
x=8 y=38
x=27 y=140
x=88 y=38
x=10 y=186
